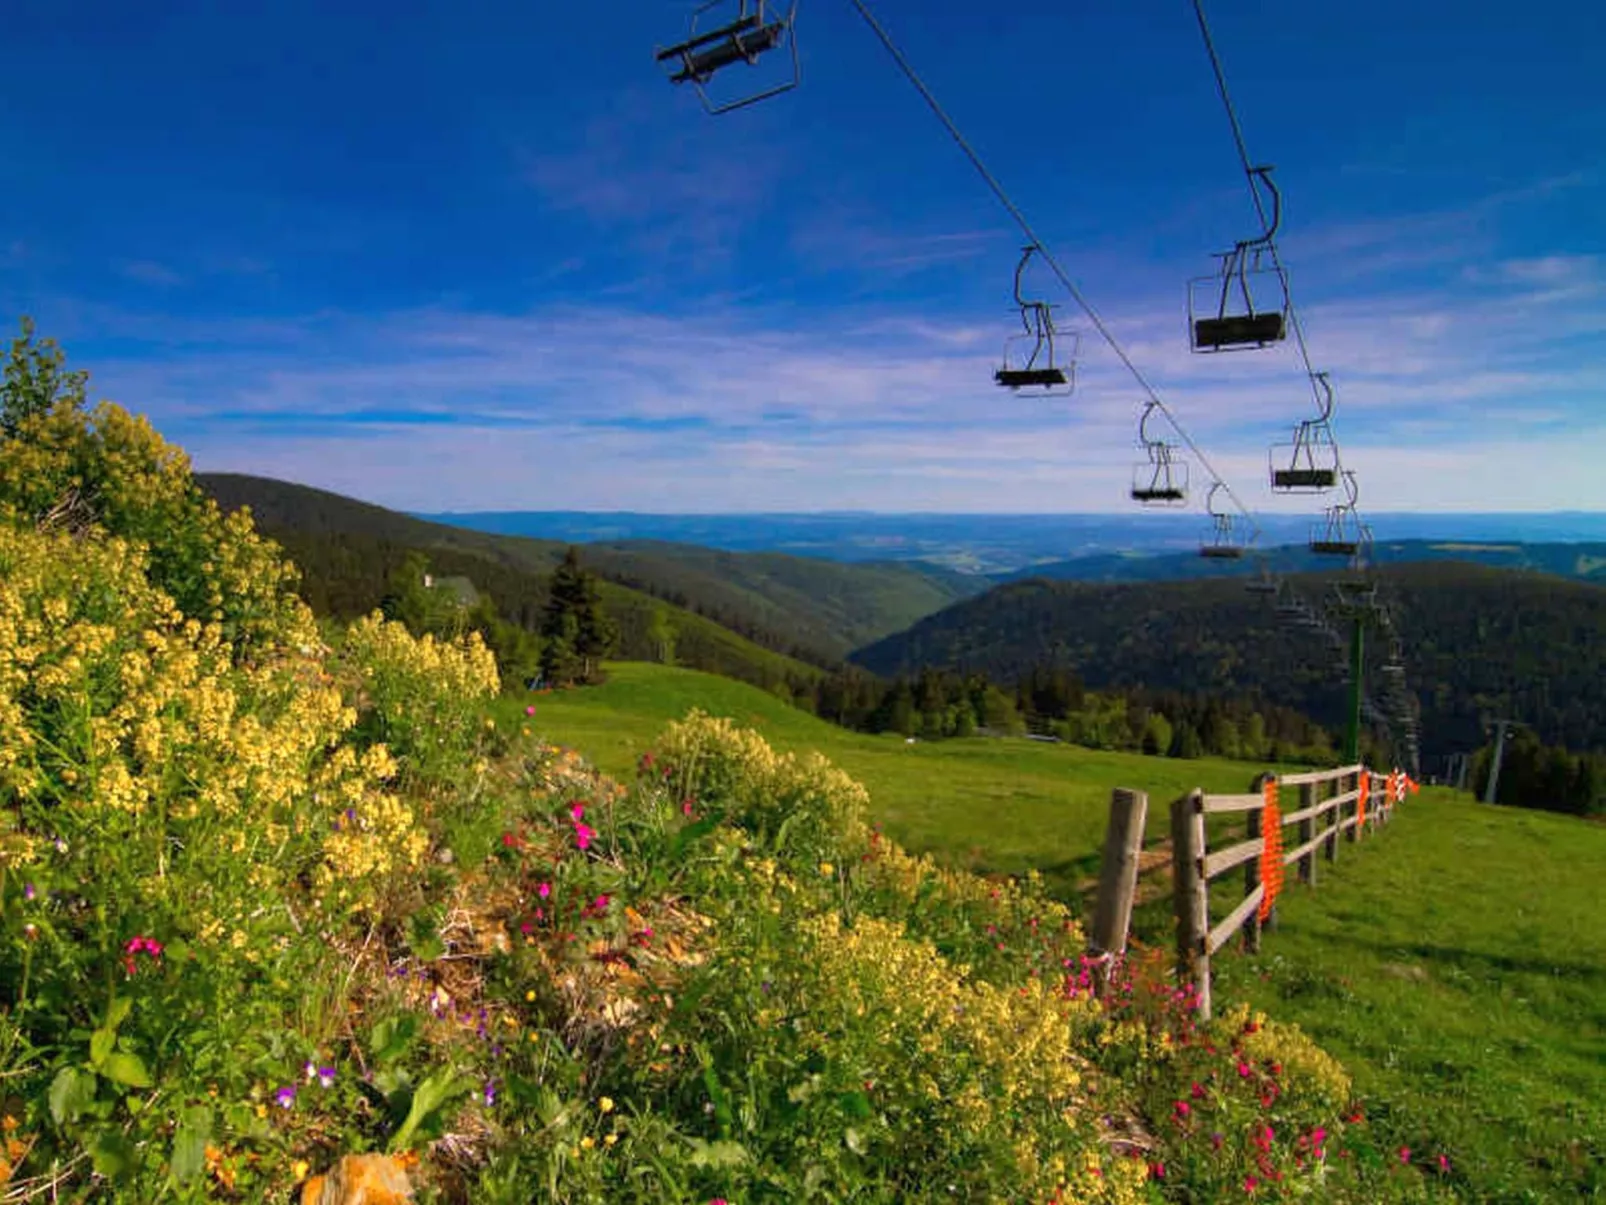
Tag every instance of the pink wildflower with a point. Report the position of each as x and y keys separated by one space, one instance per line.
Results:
x=577 y=812
x=582 y=836
x=1182 y=1108
x=1405 y=1154
x=140 y=945
x=1250 y=1184
x=1444 y=1164
x=544 y=890
x=530 y=710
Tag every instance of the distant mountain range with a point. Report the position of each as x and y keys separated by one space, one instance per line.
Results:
x=1478 y=638
x=1005 y=546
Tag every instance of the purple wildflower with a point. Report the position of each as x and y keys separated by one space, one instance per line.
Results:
x=286 y=1096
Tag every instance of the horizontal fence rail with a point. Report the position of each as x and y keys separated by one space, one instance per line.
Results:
x=1317 y=806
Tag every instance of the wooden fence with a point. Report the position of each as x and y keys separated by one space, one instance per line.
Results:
x=1322 y=806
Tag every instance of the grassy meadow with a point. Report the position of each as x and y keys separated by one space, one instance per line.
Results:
x=985 y=803
x=1454 y=962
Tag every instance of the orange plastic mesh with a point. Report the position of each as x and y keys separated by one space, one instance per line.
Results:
x=1271 y=858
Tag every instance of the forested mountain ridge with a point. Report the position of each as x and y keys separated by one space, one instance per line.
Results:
x=349 y=554
x=814 y=610
x=1477 y=641
x=1581 y=561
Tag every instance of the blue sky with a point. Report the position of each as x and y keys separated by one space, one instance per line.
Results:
x=482 y=256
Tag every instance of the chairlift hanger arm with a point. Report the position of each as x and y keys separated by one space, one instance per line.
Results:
x=1263 y=174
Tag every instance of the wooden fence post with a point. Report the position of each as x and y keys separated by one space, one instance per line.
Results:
x=1334 y=818
x=1118 y=876
x=1308 y=793
x=1192 y=895
x=1252 y=873
x=1354 y=830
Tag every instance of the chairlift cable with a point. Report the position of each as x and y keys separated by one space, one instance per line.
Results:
x=1048 y=256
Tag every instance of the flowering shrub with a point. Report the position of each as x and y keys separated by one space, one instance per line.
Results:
x=423 y=698
x=804 y=808
x=109 y=471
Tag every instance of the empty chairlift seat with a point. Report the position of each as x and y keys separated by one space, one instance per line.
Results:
x=741 y=42
x=1239 y=330
x=1049 y=377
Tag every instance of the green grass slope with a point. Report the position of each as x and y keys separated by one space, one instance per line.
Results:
x=1456 y=963
x=986 y=803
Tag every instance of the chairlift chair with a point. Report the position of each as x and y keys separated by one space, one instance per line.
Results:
x=1245 y=304
x=1222 y=544
x=756 y=28
x=1162 y=479
x=1041 y=358
x=1310 y=463
x=1342 y=533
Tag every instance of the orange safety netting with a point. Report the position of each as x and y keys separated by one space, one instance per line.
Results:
x=1271 y=857
x=1360 y=802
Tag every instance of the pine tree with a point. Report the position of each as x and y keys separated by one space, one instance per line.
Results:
x=577 y=632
